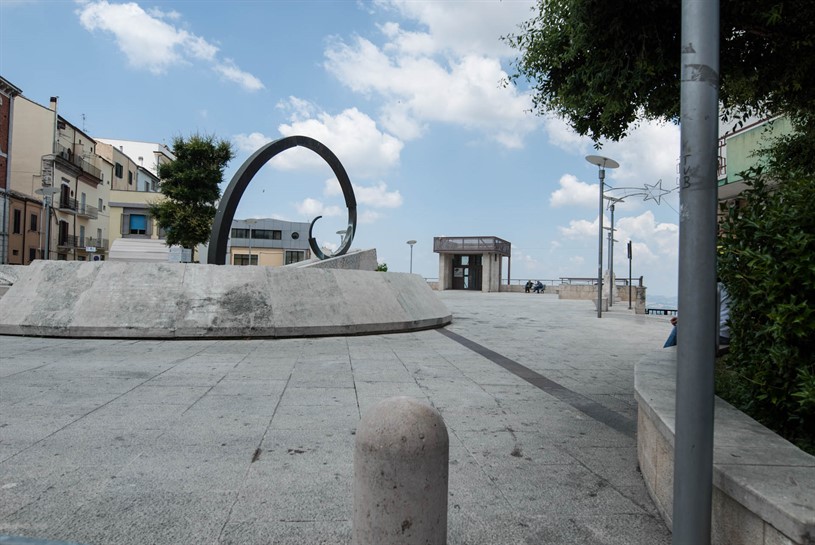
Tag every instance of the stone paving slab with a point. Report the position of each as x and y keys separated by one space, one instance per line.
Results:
x=249 y=442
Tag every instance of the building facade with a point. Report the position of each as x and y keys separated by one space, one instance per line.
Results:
x=737 y=153
x=8 y=92
x=55 y=175
x=269 y=242
x=135 y=186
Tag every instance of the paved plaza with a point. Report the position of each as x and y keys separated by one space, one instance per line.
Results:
x=114 y=442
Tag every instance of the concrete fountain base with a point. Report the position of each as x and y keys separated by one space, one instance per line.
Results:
x=176 y=300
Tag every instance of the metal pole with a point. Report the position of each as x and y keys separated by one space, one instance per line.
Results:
x=602 y=176
x=411 y=243
x=629 y=275
x=693 y=446
x=613 y=285
x=602 y=163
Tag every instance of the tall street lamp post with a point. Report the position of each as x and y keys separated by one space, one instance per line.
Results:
x=47 y=193
x=629 y=275
x=602 y=164
x=411 y=243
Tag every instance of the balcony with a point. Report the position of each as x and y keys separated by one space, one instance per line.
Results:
x=87 y=211
x=88 y=172
x=471 y=245
x=65 y=203
x=99 y=245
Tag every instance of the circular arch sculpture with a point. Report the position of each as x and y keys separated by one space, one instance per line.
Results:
x=240 y=181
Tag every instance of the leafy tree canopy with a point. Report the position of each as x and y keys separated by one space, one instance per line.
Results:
x=604 y=65
x=191 y=185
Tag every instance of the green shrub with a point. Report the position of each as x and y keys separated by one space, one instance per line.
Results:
x=767 y=263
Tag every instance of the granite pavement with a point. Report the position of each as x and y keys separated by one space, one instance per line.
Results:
x=107 y=442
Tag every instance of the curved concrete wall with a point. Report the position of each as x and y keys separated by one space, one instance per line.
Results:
x=177 y=300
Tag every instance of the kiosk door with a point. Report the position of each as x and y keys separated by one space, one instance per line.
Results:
x=467 y=272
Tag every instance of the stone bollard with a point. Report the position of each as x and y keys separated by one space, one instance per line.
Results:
x=400 y=475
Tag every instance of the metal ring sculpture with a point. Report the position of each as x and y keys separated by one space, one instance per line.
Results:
x=240 y=181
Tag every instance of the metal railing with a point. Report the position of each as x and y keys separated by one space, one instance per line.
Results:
x=87 y=211
x=76 y=160
x=76 y=241
x=471 y=244
x=64 y=202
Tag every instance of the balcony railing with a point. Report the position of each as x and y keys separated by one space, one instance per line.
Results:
x=87 y=211
x=76 y=160
x=476 y=245
x=66 y=203
x=83 y=243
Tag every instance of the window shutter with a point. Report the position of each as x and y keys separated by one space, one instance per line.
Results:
x=125 y=224
x=148 y=229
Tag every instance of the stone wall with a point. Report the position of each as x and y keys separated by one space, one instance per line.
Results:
x=764 y=487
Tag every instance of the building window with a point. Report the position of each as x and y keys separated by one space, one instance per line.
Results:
x=32 y=254
x=62 y=238
x=119 y=170
x=267 y=234
x=129 y=177
x=294 y=256
x=240 y=233
x=243 y=259
x=17 y=225
x=101 y=205
x=33 y=222
x=138 y=224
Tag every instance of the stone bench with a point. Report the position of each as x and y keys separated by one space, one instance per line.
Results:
x=764 y=487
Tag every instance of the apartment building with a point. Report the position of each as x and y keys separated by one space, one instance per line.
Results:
x=56 y=173
x=134 y=187
x=8 y=92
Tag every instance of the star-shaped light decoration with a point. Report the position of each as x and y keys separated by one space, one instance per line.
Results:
x=655 y=192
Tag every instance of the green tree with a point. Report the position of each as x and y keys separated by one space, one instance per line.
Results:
x=382 y=267
x=191 y=187
x=766 y=262
x=604 y=65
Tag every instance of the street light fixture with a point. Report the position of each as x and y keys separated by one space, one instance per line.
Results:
x=602 y=164
x=411 y=243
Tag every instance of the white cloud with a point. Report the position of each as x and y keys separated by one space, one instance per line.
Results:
x=466 y=27
x=564 y=137
x=149 y=42
x=574 y=192
x=581 y=228
x=655 y=244
x=311 y=208
x=229 y=70
x=250 y=143
x=363 y=149
x=368 y=216
x=649 y=153
x=433 y=77
x=378 y=196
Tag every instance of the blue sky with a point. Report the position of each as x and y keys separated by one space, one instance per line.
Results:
x=408 y=95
